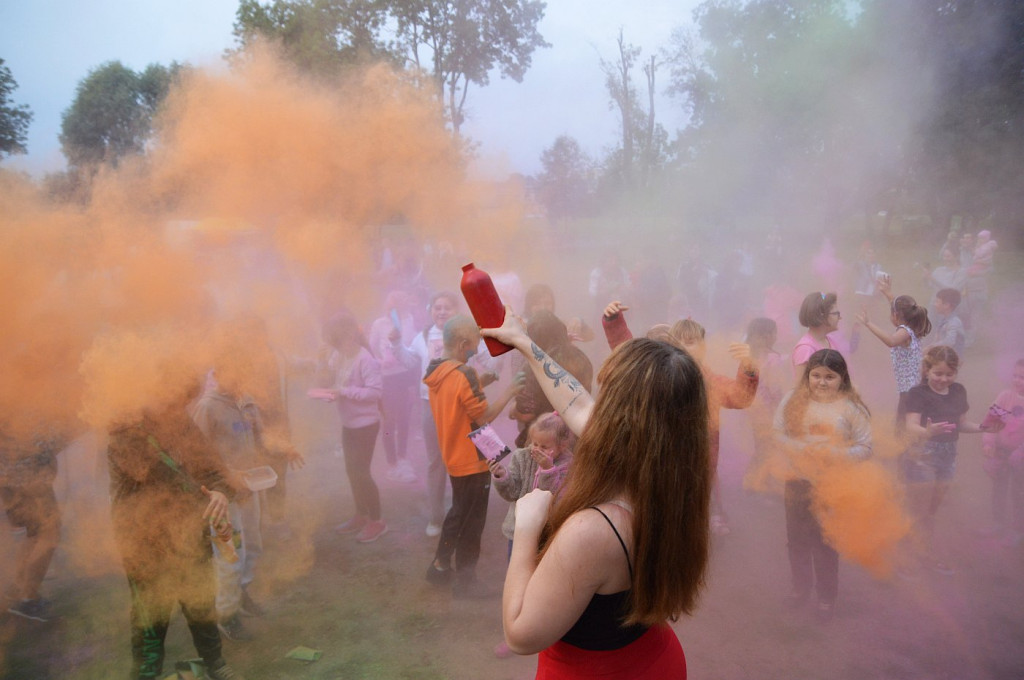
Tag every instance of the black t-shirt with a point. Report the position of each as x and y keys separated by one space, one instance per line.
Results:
x=949 y=407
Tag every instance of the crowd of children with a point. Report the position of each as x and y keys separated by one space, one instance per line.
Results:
x=809 y=414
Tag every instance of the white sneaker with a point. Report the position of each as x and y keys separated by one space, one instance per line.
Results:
x=404 y=472
x=433 y=530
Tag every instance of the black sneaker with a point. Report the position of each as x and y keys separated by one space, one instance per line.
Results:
x=36 y=610
x=248 y=607
x=439 y=577
x=233 y=629
x=222 y=671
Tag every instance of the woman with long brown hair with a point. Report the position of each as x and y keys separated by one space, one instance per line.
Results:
x=593 y=579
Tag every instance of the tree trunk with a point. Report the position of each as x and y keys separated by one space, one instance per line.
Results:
x=648 y=155
x=625 y=108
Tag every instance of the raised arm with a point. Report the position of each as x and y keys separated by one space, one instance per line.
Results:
x=739 y=393
x=565 y=392
x=614 y=323
x=898 y=338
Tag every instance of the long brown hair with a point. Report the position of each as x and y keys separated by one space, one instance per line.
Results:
x=647 y=440
x=795 y=409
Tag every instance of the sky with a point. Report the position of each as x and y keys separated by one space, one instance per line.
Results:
x=50 y=45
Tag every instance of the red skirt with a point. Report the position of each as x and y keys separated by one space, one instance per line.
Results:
x=657 y=655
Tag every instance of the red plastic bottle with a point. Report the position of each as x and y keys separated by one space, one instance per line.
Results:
x=484 y=304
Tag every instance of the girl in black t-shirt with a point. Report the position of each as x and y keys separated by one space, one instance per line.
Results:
x=935 y=419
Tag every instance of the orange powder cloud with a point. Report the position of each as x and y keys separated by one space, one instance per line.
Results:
x=263 y=193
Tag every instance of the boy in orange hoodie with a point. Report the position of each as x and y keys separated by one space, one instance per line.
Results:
x=459 y=407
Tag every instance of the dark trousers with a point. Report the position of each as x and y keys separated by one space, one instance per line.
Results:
x=811 y=560
x=397 y=399
x=190 y=585
x=358 y=445
x=464 y=524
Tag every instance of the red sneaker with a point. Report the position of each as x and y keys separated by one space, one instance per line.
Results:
x=372 y=531
x=353 y=525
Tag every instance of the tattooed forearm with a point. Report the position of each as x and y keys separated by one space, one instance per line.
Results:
x=559 y=375
x=556 y=373
x=562 y=389
x=538 y=353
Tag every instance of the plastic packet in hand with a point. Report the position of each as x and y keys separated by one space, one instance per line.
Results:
x=489 y=443
x=995 y=417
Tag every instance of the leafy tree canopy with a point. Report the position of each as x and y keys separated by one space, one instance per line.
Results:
x=318 y=36
x=463 y=41
x=14 y=118
x=828 y=105
x=457 y=42
x=111 y=115
x=566 y=183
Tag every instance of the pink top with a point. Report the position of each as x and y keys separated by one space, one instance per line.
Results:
x=1012 y=435
x=359 y=387
x=808 y=345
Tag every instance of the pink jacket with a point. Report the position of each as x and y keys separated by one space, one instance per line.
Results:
x=359 y=392
x=1011 y=436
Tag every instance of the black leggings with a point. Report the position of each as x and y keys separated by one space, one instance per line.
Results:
x=358 y=445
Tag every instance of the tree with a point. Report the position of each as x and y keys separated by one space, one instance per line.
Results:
x=111 y=115
x=319 y=36
x=811 y=110
x=464 y=40
x=566 y=183
x=458 y=42
x=643 y=141
x=964 y=158
x=774 y=101
x=14 y=118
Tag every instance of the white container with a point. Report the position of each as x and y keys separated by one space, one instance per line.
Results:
x=260 y=478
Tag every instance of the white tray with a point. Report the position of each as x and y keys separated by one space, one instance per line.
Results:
x=260 y=478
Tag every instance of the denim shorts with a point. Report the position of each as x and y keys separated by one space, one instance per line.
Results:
x=931 y=462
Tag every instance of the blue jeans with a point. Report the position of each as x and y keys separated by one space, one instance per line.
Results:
x=932 y=462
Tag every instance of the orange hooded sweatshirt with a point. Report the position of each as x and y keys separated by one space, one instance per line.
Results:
x=457 y=402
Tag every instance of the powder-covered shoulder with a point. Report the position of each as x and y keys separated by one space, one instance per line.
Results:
x=855 y=410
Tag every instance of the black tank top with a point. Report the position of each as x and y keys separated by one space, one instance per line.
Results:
x=599 y=627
